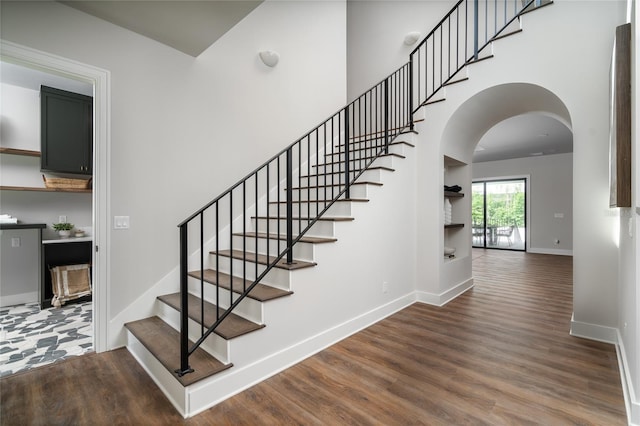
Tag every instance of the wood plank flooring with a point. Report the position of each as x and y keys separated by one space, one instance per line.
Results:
x=498 y=355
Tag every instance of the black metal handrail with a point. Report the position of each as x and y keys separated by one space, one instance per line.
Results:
x=464 y=32
x=284 y=197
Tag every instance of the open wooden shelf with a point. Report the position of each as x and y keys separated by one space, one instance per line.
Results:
x=24 y=152
x=452 y=194
x=31 y=188
x=455 y=225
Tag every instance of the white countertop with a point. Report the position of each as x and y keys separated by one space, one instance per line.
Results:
x=71 y=239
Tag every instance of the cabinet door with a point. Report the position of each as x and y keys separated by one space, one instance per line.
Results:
x=66 y=131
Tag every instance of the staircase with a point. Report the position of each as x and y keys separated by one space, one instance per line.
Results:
x=242 y=253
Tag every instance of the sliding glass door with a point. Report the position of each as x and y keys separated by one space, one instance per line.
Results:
x=499 y=214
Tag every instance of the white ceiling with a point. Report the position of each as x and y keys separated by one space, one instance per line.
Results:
x=527 y=135
x=186 y=25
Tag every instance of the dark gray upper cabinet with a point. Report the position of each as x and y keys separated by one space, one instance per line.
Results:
x=66 y=131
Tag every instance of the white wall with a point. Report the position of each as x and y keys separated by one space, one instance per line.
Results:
x=628 y=227
x=375 y=37
x=20 y=115
x=183 y=129
x=551 y=192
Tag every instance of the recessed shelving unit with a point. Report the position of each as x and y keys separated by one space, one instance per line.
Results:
x=451 y=194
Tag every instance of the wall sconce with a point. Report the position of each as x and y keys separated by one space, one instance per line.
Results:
x=270 y=58
x=411 y=38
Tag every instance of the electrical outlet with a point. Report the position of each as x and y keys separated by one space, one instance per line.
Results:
x=385 y=286
x=62 y=219
x=15 y=242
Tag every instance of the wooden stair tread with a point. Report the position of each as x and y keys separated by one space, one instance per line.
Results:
x=341 y=172
x=262 y=259
x=299 y=188
x=232 y=326
x=304 y=239
x=323 y=218
x=341 y=151
x=164 y=343
x=391 y=154
x=381 y=132
x=339 y=200
x=452 y=82
x=510 y=33
x=260 y=292
x=434 y=102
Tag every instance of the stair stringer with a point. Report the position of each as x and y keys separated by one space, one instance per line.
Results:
x=340 y=296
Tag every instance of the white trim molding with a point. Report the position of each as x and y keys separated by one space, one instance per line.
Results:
x=446 y=296
x=557 y=252
x=596 y=332
x=101 y=81
x=612 y=335
x=630 y=401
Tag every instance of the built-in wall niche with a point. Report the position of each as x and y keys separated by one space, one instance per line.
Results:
x=456 y=228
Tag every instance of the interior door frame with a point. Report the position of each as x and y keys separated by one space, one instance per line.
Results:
x=101 y=81
x=527 y=203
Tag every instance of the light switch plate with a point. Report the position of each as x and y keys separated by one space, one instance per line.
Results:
x=121 y=222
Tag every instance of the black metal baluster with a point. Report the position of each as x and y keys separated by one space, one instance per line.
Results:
x=268 y=239
x=385 y=107
x=278 y=234
x=244 y=237
x=201 y=272
x=184 y=305
x=230 y=246
x=289 y=205
x=217 y=260
x=346 y=153
x=475 y=29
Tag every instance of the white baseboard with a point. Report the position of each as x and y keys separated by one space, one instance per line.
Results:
x=444 y=297
x=596 y=332
x=631 y=403
x=19 y=299
x=557 y=252
x=612 y=335
x=172 y=389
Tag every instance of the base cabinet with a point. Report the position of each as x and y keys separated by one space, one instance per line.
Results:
x=57 y=253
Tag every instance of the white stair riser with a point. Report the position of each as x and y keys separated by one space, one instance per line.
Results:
x=311 y=209
x=354 y=154
x=338 y=155
x=374 y=175
x=214 y=344
x=357 y=191
x=250 y=309
x=301 y=250
x=385 y=161
x=321 y=228
x=276 y=277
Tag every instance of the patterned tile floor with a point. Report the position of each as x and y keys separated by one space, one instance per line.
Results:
x=30 y=337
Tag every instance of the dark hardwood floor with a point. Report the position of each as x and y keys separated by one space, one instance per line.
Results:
x=498 y=355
